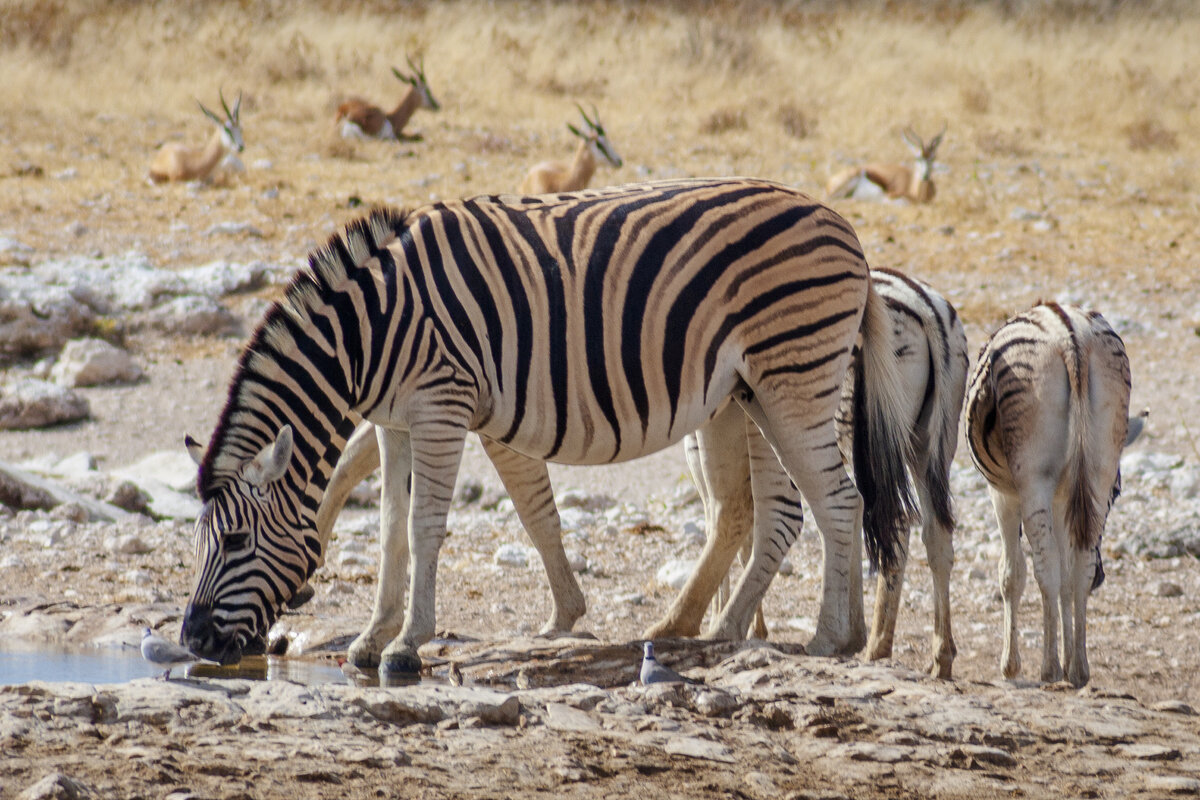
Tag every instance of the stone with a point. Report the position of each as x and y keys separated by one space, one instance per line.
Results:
x=434 y=703
x=1168 y=589
x=1147 y=752
x=128 y=544
x=1172 y=784
x=674 y=573
x=37 y=319
x=32 y=403
x=694 y=747
x=190 y=315
x=174 y=469
x=1174 y=707
x=57 y=786
x=563 y=717
x=94 y=362
x=760 y=784
x=511 y=555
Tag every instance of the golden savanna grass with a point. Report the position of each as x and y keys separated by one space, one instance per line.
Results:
x=1083 y=112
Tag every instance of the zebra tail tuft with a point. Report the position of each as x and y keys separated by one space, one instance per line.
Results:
x=1083 y=512
x=882 y=437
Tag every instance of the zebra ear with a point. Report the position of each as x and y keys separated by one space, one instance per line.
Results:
x=270 y=464
x=195 y=450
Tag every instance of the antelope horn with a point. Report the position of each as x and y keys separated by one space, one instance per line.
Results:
x=583 y=114
x=210 y=114
x=224 y=105
x=411 y=65
x=237 y=106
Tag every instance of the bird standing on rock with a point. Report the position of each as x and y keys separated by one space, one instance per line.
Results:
x=158 y=650
x=654 y=672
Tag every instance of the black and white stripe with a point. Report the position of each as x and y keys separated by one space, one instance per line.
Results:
x=1047 y=417
x=931 y=349
x=583 y=328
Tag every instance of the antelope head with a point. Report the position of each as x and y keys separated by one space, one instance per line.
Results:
x=593 y=134
x=418 y=82
x=231 y=125
x=923 y=152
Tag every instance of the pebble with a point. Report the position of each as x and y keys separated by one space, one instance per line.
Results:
x=1168 y=589
x=128 y=544
x=674 y=573
x=511 y=555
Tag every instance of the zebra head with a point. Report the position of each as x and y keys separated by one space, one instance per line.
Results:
x=251 y=556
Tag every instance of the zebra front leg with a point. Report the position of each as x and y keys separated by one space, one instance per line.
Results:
x=777 y=519
x=1012 y=577
x=436 y=453
x=528 y=484
x=396 y=455
x=721 y=470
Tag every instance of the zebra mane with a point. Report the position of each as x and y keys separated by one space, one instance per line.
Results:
x=330 y=266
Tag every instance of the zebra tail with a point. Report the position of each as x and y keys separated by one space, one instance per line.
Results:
x=942 y=433
x=1083 y=513
x=882 y=437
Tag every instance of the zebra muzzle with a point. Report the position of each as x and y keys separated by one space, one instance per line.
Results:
x=201 y=635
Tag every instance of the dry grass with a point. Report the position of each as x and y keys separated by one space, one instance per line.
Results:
x=1062 y=100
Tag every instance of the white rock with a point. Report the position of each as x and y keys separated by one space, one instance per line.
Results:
x=349 y=559
x=94 y=362
x=511 y=555
x=172 y=468
x=32 y=403
x=190 y=315
x=139 y=577
x=128 y=544
x=577 y=561
x=675 y=573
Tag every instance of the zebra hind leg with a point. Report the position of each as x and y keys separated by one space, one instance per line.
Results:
x=812 y=460
x=1012 y=577
x=528 y=484
x=777 y=521
x=721 y=470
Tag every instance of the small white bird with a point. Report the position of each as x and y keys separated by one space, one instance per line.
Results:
x=158 y=650
x=654 y=672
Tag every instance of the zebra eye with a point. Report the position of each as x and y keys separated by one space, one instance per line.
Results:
x=236 y=542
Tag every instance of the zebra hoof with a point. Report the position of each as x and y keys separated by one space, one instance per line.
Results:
x=401 y=663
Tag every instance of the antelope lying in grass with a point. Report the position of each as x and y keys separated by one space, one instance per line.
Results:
x=894 y=180
x=1046 y=421
x=359 y=119
x=178 y=162
x=559 y=176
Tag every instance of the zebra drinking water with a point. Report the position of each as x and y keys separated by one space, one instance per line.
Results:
x=581 y=328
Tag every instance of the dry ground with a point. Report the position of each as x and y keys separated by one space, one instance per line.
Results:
x=1070 y=170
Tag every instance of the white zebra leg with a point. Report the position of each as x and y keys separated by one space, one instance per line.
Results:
x=888 y=584
x=528 y=484
x=437 y=451
x=810 y=455
x=722 y=475
x=1012 y=577
x=777 y=522
x=386 y=617
x=1083 y=567
x=939 y=549
x=1038 y=524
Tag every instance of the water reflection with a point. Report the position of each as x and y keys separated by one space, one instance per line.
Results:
x=118 y=665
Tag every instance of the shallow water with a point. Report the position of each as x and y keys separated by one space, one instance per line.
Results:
x=110 y=665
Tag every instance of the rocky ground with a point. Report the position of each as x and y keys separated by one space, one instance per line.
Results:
x=123 y=308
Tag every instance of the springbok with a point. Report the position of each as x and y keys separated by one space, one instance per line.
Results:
x=894 y=180
x=359 y=119
x=178 y=162
x=1047 y=418
x=560 y=176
